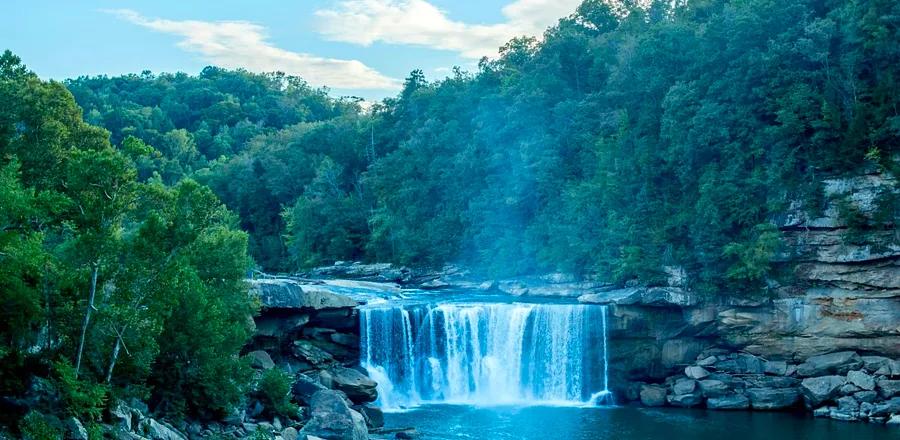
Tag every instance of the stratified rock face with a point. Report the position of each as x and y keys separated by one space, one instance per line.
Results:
x=381 y=272
x=332 y=419
x=643 y=296
x=285 y=293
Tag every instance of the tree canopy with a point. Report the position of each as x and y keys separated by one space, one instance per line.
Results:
x=630 y=137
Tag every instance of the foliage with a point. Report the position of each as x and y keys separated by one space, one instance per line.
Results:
x=34 y=426
x=753 y=258
x=82 y=398
x=633 y=136
x=274 y=389
x=114 y=282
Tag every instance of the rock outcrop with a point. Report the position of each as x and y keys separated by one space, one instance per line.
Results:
x=332 y=418
x=740 y=381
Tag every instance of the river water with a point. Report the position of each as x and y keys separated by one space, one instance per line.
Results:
x=459 y=422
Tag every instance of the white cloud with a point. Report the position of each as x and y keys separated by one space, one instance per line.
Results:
x=418 y=22
x=241 y=44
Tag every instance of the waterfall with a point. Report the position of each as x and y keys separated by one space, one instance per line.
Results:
x=486 y=353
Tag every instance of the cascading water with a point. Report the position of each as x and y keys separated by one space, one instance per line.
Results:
x=486 y=353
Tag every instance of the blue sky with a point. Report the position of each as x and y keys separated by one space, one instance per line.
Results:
x=355 y=47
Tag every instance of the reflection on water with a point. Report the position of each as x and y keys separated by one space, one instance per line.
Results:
x=450 y=422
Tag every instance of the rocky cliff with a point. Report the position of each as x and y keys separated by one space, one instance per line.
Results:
x=839 y=292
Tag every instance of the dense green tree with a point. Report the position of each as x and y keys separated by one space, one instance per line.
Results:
x=95 y=262
x=632 y=136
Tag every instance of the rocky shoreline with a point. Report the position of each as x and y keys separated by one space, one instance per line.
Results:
x=842 y=385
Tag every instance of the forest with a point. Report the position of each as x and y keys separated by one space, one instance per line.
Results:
x=625 y=140
x=622 y=142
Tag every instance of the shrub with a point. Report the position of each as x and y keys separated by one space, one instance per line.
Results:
x=274 y=390
x=83 y=398
x=35 y=427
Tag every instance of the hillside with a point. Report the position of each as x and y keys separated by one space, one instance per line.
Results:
x=623 y=142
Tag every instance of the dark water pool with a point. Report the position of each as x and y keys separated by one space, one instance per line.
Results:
x=450 y=422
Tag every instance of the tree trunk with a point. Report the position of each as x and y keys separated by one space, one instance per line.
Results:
x=95 y=267
x=112 y=361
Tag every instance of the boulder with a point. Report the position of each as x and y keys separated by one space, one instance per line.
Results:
x=121 y=416
x=695 y=372
x=326 y=379
x=261 y=360
x=890 y=406
x=861 y=380
x=685 y=400
x=235 y=417
x=776 y=368
x=289 y=433
x=773 y=398
x=874 y=363
x=844 y=415
x=407 y=434
x=848 y=389
x=653 y=395
x=760 y=381
x=818 y=390
x=714 y=388
x=684 y=386
x=866 y=396
x=435 y=284
x=75 y=429
x=741 y=363
x=332 y=419
x=488 y=285
x=304 y=387
x=250 y=427
x=824 y=411
x=373 y=414
x=357 y=386
x=847 y=404
x=865 y=408
x=309 y=352
x=888 y=388
x=160 y=431
x=832 y=363
x=707 y=361
x=733 y=401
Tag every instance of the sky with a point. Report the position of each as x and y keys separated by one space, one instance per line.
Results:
x=354 y=47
